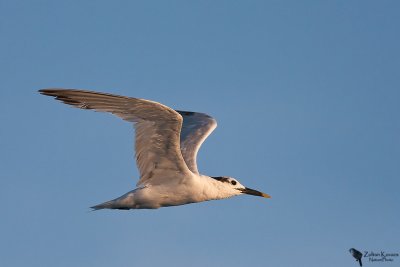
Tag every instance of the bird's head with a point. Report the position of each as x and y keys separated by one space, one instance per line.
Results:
x=234 y=188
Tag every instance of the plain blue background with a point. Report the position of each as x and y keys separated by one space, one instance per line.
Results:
x=306 y=94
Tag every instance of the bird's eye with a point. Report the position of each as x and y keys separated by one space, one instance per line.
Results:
x=233 y=182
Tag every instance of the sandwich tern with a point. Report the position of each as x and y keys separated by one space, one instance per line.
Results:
x=166 y=143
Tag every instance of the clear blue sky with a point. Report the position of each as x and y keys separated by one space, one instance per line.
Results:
x=306 y=94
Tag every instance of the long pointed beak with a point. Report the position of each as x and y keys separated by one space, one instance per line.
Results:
x=253 y=192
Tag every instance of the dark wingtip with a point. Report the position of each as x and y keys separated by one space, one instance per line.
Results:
x=50 y=92
x=42 y=91
x=185 y=113
x=192 y=113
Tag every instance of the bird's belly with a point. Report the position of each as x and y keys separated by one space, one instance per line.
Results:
x=159 y=196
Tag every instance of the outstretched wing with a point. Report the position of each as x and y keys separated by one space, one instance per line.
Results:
x=157 y=129
x=195 y=129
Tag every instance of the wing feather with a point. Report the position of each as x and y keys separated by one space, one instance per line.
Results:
x=195 y=129
x=157 y=128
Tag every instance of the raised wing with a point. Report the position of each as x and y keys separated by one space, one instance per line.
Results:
x=157 y=129
x=195 y=129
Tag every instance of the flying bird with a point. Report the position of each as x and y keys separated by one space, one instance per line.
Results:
x=166 y=143
x=356 y=254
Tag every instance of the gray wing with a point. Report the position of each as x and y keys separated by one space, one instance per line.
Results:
x=157 y=129
x=195 y=129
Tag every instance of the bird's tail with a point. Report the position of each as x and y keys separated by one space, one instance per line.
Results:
x=112 y=204
x=124 y=202
x=105 y=205
x=359 y=261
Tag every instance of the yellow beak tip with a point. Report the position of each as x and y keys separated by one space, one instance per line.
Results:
x=266 y=195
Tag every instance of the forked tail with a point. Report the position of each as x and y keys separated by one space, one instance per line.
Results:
x=112 y=204
x=124 y=202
